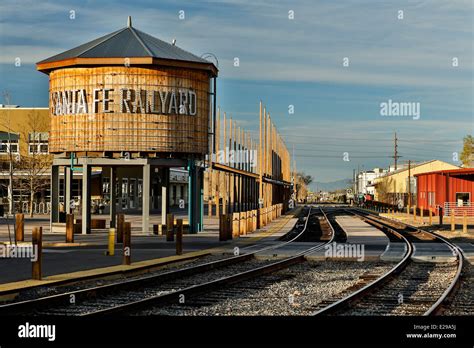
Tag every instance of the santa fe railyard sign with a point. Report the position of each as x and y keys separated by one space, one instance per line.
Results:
x=180 y=101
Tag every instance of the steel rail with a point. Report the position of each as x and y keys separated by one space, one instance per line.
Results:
x=15 y=308
x=175 y=296
x=344 y=302
x=381 y=222
x=437 y=306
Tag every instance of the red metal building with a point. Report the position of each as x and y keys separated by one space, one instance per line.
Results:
x=451 y=189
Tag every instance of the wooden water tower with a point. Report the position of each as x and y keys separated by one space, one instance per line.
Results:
x=129 y=99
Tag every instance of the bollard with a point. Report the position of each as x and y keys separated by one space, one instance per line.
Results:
x=37 y=240
x=414 y=213
x=421 y=215
x=431 y=216
x=169 y=227
x=69 y=228
x=163 y=230
x=111 y=251
x=223 y=228
x=20 y=228
x=464 y=222
x=120 y=227
x=408 y=210
x=127 y=251
x=209 y=208
x=453 y=225
x=236 y=224
x=179 y=236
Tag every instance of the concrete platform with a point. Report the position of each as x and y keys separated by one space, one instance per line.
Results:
x=65 y=264
x=432 y=252
x=360 y=232
x=463 y=240
x=267 y=236
x=394 y=252
x=468 y=250
x=63 y=260
x=364 y=242
x=58 y=279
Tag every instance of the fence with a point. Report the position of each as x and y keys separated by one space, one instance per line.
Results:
x=458 y=209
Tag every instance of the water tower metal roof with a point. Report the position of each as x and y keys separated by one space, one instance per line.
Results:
x=113 y=48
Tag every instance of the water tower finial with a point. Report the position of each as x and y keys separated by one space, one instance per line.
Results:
x=129 y=21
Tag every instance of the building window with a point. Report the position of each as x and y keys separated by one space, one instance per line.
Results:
x=38 y=148
x=463 y=199
x=431 y=198
x=9 y=146
x=411 y=184
x=140 y=188
x=105 y=185
x=38 y=143
x=132 y=188
x=124 y=187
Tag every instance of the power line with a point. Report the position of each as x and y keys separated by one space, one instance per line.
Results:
x=338 y=151
x=403 y=153
x=387 y=139
x=343 y=145
x=338 y=157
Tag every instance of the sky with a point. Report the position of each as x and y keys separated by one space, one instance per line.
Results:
x=291 y=53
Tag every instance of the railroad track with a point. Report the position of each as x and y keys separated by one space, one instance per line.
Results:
x=409 y=288
x=163 y=288
x=266 y=277
x=463 y=302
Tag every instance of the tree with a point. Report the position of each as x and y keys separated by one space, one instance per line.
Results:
x=302 y=183
x=384 y=187
x=467 y=154
x=11 y=159
x=34 y=162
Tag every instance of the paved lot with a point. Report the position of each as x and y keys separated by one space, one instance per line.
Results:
x=135 y=219
x=91 y=255
x=70 y=259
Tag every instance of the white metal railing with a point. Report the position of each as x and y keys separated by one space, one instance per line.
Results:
x=458 y=209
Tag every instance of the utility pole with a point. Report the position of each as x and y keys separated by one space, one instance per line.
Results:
x=294 y=176
x=354 y=179
x=395 y=150
x=6 y=96
x=357 y=178
x=409 y=185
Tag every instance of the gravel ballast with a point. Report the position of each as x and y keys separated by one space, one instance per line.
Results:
x=293 y=291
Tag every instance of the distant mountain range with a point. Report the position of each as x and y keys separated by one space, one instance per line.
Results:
x=330 y=186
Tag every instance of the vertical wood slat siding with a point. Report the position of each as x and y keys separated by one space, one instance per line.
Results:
x=141 y=132
x=436 y=182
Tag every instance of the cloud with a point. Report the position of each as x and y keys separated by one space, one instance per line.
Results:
x=382 y=49
x=291 y=61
